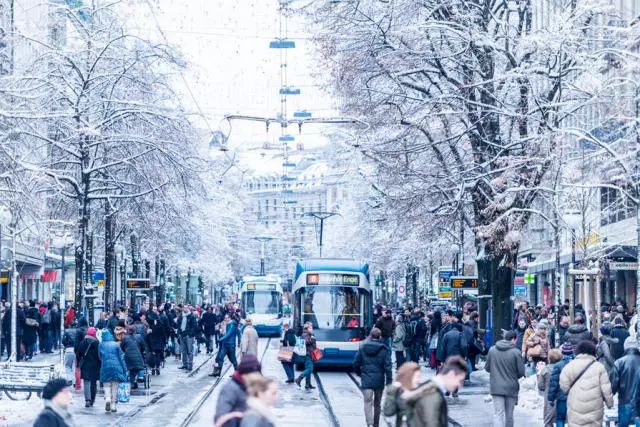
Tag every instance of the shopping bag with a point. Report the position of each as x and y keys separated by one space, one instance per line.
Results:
x=316 y=354
x=301 y=347
x=124 y=392
x=285 y=354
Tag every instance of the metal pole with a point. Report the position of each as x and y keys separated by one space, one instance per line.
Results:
x=321 y=234
x=262 y=257
x=61 y=306
x=573 y=281
x=14 y=297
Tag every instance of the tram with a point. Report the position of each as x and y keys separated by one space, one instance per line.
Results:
x=335 y=296
x=261 y=300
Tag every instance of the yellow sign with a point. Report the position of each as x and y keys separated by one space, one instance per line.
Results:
x=100 y=282
x=445 y=294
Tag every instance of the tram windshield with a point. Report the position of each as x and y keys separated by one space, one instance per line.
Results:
x=333 y=307
x=262 y=302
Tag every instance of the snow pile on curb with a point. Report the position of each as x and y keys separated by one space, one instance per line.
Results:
x=529 y=398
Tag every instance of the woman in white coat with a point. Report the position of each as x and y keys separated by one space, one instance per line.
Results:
x=249 y=342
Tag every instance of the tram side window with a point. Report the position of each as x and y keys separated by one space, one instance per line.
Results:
x=332 y=307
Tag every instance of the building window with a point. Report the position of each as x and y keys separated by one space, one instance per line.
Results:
x=614 y=206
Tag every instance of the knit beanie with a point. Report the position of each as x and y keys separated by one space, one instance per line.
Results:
x=567 y=349
x=91 y=331
x=249 y=364
x=630 y=342
x=53 y=387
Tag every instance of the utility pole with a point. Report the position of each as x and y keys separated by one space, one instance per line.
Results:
x=263 y=240
x=322 y=216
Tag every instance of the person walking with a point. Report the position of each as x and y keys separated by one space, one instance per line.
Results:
x=578 y=332
x=208 y=323
x=603 y=349
x=310 y=344
x=397 y=342
x=249 y=341
x=428 y=399
x=232 y=403
x=418 y=329
x=407 y=378
x=31 y=326
x=387 y=326
x=89 y=364
x=57 y=398
x=187 y=330
x=555 y=395
x=622 y=377
x=587 y=384
x=227 y=346
x=537 y=346
x=113 y=369
x=155 y=340
x=620 y=333
x=543 y=373
x=505 y=366
x=373 y=365
x=434 y=334
x=263 y=395
x=288 y=340
x=562 y=328
x=132 y=356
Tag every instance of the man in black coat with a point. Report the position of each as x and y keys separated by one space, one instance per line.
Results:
x=620 y=332
x=374 y=368
x=187 y=329
x=578 y=332
x=6 y=330
x=622 y=380
x=57 y=398
x=208 y=324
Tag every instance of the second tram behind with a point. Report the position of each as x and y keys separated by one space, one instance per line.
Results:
x=261 y=300
x=335 y=296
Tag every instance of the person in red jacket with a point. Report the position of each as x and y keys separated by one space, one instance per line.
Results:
x=69 y=317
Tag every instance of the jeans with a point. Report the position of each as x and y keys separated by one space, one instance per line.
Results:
x=415 y=352
x=625 y=414
x=228 y=350
x=308 y=370
x=503 y=410
x=560 y=423
x=389 y=342
x=186 y=349
x=637 y=422
x=55 y=337
x=288 y=369
x=400 y=359
x=90 y=390
x=372 y=399
x=208 y=339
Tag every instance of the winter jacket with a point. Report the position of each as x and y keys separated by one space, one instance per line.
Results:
x=454 y=343
x=132 y=353
x=191 y=329
x=395 y=406
x=544 y=379
x=623 y=374
x=89 y=358
x=113 y=367
x=617 y=348
x=520 y=337
x=373 y=365
x=386 y=326
x=208 y=323
x=6 y=323
x=584 y=403
x=429 y=405
x=249 y=341
x=603 y=353
x=535 y=340
x=30 y=333
x=81 y=331
x=420 y=331
x=577 y=333
x=55 y=319
x=53 y=417
x=258 y=415
x=233 y=397
x=562 y=331
x=398 y=337
x=505 y=366
x=230 y=334
x=555 y=393
x=156 y=340
x=309 y=342
x=289 y=338
x=528 y=333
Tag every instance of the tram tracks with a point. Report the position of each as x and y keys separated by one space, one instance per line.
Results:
x=326 y=402
x=194 y=411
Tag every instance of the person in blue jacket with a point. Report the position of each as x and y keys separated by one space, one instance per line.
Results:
x=555 y=396
x=113 y=370
x=227 y=346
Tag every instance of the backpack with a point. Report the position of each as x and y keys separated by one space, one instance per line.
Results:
x=409 y=332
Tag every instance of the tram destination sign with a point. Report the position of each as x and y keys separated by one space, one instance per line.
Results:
x=138 y=284
x=333 y=279
x=464 y=283
x=261 y=286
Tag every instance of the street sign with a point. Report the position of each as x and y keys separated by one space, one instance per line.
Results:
x=445 y=292
x=4 y=276
x=618 y=265
x=133 y=284
x=529 y=279
x=402 y=291
x=461 y=282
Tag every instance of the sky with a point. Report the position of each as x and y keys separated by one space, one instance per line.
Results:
x=231 y=69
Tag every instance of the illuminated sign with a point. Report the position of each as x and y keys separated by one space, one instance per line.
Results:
x=331 y=279
x=464 y=283
x=251 y=286
x=445 y=292
x=260 y=286
x=138 y=284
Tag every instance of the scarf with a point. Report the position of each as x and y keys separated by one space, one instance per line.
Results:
x=61 y=412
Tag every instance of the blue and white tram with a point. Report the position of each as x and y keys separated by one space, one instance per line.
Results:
x=261 y=300
x=335 y=296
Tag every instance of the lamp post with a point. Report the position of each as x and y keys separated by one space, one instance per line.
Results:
x=322 y=216
x=572 y=219
x=263 y=240
x=62 y=241
x=121 y=255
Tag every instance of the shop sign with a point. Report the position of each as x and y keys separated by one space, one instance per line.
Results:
x=619 y=265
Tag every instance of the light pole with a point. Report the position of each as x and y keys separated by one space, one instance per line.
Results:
x=263 y=240
x=62 y=241
x=572 y=219
x=322 y=216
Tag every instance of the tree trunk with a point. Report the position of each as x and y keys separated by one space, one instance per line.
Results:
x=495 y=284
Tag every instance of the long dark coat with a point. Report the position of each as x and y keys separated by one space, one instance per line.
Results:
x=132 y=354
x=91 y=362
x=30 y=333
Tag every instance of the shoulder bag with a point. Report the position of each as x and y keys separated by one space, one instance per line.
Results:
x=586 y=368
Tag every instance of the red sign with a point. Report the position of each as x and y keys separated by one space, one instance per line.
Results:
x=49 y=276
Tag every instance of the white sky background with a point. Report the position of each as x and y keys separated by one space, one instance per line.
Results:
x=233 y=71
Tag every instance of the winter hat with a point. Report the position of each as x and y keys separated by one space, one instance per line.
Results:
x=567 y=348
x=53 y=387
x=630 y=342
x=91 y=331
x=249 y=364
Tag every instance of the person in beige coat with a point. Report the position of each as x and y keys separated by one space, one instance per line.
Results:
x=586 y=392
x=249 y=342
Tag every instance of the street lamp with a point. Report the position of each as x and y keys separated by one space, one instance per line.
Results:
x=573 y=219
x=120 y=253
x=455 y=250
x=61 y=241
x=263 y=240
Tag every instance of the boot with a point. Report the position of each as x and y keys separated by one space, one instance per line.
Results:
x=299 y=381
x=107 y=407
x=87 y=403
